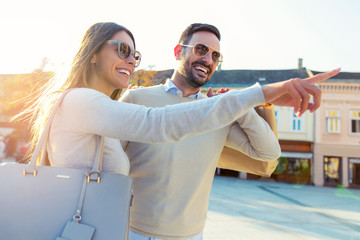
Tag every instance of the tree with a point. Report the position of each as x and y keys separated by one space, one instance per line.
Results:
x=143 y=78
x=15 y=90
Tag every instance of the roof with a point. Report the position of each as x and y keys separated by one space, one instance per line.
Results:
x=244 y=78
x=343 y=77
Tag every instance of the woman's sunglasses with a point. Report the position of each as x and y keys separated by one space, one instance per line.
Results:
x=201 y=50
x=124 y=50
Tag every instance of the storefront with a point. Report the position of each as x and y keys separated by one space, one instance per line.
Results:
x=336 y=165
x=354 y=172
x=295 y=163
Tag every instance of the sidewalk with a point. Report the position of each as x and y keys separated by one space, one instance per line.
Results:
x=246 y=209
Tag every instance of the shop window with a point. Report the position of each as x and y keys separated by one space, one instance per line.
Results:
x=333 y=122
x=332 y=170
x=354 y=172
x=298 y=166
x=293 y=170
x=355 y=122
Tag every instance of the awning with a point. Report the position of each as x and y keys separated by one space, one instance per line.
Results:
x=296 y=155
x=354 y=160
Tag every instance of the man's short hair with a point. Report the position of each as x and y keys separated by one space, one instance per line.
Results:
x=197 y=27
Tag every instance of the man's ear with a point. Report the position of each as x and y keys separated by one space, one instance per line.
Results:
x=177 y=51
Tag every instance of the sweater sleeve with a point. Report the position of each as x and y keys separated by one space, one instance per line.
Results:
x=251 y=135
x=125 y=97
x=90 y=111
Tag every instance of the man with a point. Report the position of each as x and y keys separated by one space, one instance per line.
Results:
x=172 y=182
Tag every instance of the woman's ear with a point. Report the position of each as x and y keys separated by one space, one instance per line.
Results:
x=93 y=59
x=177 y=51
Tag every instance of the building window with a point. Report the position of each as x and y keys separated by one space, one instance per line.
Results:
x=333 y=122
x=297 y=123
x=277 y=116
x=355 y=122
x=332 y=170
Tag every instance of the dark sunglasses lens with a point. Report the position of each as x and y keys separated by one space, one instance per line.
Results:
x=215 y=56
x=201 y=50
x=124 y=50
x=137 y=57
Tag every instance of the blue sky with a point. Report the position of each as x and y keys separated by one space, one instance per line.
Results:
x=256 y=34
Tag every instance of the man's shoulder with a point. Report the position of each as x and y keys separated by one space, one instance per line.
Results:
x=145 y=96
x=147 y=90
x=202 y=96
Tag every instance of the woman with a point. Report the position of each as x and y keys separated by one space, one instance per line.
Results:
x=101 y=68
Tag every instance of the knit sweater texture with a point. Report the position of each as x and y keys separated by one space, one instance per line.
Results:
x=172 y=181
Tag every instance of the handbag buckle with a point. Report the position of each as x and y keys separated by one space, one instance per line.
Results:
x=26 y=172
x=90 y=179
x=77 y=217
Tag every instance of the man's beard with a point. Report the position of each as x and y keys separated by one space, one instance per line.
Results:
x=190 y=78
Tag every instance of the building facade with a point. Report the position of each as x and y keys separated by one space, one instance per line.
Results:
x=296 y=137
x=337 y=133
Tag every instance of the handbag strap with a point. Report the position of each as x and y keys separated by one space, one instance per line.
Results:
x=87 y=179
x=41 y=146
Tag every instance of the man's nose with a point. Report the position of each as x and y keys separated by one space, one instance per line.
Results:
x=207 y=58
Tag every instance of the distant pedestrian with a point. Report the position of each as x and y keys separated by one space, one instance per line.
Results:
x=22 y=152
x=2 y=148
x=11 y=148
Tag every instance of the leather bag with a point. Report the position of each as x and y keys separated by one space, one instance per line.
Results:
x=44 y=202
x=237 y=161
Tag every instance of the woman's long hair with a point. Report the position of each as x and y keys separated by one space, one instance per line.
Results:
x=78 y=77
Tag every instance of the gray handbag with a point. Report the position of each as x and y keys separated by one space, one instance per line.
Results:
x=44 y=202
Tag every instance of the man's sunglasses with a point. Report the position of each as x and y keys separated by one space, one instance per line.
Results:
x=124 y=50
x=201 y=50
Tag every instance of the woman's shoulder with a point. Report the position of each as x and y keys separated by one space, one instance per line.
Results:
x=83 y=98
x=83 y=94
